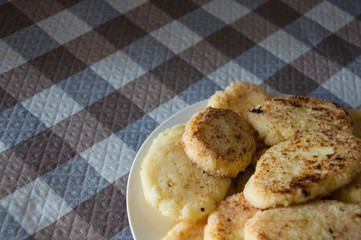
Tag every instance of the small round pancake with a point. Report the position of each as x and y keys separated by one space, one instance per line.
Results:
x=282 y=117
x=174 y=185
x=186 y=230
x=239 y=97
x=219 y=141
x=228 y=220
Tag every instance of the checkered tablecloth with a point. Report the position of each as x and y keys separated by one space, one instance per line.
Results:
x=83 y=83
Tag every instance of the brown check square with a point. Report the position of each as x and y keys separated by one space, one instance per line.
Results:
x=177 y=74
x=81 y=131
x=316 y=66
x=291 y=81
x=58 y=64
x=24 y=82
x=6 y=100
x=14 y=19
x=90 y=47
x=70 y=226
x=351 y=33
x=120 y=31
x=68 y=3
x=255 y=27
x=338 y=50
x=105 y=211
x=44 y=151
x=302 y=6
x=38 y=9
x=278 y=13
x=115 y=111
x=230 y=42
x=175 y=9
x=204 y=57
x=15 y=173
x=149 y=17
x=147 y=92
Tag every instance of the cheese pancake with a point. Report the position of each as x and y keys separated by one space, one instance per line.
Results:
x=227 y=221
x=219 y=141
x=174 y=185
x=187 y=231
x=282 y=117
x=319 y=220
x=312 y=164
x=239 y=97
x=351 y=193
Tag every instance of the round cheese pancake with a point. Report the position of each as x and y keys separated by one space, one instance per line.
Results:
x=318 y=220
x=174 y=185
x=282 y=117
x=312 y=164
x=186 y=230
x=219 y=141
x=239 y=97
x=227 y=221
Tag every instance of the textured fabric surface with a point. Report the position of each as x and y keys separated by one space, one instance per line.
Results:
x=83 y=83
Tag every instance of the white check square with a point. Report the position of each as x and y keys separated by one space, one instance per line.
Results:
x=111 y=157
x=227 y=11
x=64 y=26
x=343 y=85
x=176 y=36
x=9 y=58
x=124 y=6
x=167 y=109
x=329 y=16
x=231 y=72
x=284 y=46
x=118 y=69
x=3 y=147
x=35 y=206
x=51 y=105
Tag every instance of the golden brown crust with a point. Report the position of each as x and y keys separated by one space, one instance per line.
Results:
x=219 y=141
x=227 y=221
x=315 y=220
x=186 y=230
x=174 y=185
x=282 y=117
x=351 y=193
x=239 y=97
x=311 y=164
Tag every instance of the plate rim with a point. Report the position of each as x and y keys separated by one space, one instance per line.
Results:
x=197 y=106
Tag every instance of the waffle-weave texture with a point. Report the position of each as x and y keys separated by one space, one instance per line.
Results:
x=83 y=83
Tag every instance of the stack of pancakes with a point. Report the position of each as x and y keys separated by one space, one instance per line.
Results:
x=253 y=167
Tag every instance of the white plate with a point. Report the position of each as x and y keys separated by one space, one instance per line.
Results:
x=146 y=222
